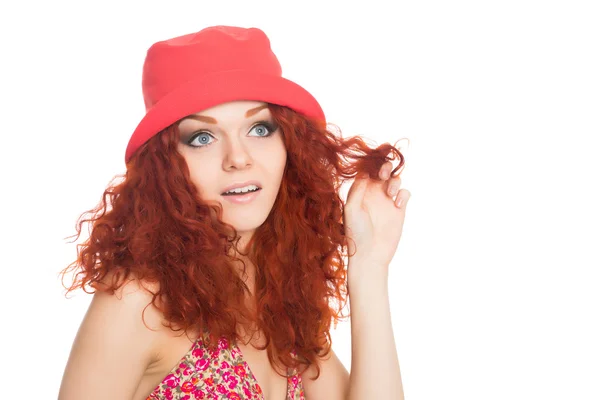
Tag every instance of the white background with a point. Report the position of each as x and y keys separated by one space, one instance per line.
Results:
x=494 y=287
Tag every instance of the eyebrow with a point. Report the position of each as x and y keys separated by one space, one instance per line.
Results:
x=211 y=120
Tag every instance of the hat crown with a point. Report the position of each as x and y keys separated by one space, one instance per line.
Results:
x=190 y=73
x=171 y=63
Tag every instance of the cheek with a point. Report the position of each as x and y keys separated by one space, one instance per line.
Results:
x=275 y=154
x=275 y=164
x=201 y=174
x=278 y=162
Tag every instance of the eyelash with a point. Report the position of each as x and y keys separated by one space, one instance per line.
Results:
x=270 y=127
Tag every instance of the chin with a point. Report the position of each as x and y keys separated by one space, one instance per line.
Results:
x=244 y=222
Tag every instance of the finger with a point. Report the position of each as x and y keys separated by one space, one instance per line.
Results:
x=403 y=197
x=386 y=170
x=393 y=186
x=357 y=190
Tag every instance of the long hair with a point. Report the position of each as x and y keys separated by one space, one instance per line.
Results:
x=152 y=225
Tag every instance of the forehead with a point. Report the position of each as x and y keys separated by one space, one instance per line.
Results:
x=244 y=109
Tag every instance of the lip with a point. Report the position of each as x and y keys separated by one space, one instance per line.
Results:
x=241 y=185
x=242 y=198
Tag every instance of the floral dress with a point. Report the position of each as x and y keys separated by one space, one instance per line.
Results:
x=217 y=375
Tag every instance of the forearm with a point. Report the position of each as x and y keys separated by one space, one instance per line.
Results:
x=375 y=370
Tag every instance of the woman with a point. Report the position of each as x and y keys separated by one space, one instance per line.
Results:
x=216 y=265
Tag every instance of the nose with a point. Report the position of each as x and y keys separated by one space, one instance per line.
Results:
x=236 y=155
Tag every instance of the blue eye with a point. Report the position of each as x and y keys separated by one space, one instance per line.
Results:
x=203 y=139
x=264 y=129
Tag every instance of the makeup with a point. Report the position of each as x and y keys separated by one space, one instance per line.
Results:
x=243 y=198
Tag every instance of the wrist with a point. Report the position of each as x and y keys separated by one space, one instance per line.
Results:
x=362 y=273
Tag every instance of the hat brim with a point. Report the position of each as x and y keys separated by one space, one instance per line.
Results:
x=211 y=90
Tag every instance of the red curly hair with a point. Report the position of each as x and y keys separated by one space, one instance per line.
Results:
x=157 y=229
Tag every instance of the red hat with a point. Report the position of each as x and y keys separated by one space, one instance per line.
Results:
x=193 y=72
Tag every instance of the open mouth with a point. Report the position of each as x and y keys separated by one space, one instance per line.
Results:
x=242 y=193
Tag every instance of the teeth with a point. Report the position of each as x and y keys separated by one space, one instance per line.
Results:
x=244 y=189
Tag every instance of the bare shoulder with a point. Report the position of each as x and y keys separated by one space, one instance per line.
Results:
x=114 y=345
x=333 y=382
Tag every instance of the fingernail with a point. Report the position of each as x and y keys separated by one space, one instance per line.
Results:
x=392 y=190
x=399 y=201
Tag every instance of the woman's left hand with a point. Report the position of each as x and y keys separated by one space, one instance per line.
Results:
x=374 y=221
